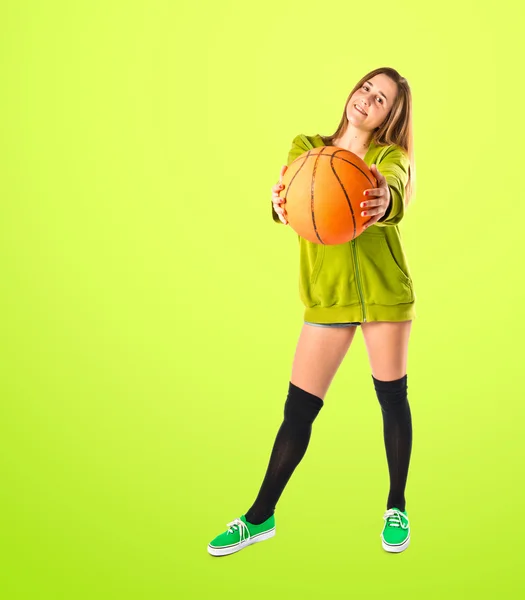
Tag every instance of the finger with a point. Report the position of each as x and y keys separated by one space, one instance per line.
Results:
x=377 y=192
x=368 y=210
x=371 y=222
x=370 y=203
x=371 y=212
x=283 y=171
x=380 y=210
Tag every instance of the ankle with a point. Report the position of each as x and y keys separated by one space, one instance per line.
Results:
x=256 y=519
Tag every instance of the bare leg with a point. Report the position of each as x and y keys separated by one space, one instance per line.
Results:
x=387 y=346
x=320 y=351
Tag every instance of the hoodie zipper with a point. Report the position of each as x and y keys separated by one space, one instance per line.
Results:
x=354 y=254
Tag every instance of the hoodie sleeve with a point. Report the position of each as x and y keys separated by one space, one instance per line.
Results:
x=394 y=166
x=300 y=145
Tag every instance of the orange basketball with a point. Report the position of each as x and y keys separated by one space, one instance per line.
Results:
x=323 y=190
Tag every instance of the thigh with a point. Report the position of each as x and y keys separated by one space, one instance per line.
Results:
x=319 y=353
x=387 y=346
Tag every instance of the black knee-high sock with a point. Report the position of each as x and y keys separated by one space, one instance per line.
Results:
x=300 y=410
x=397 y=432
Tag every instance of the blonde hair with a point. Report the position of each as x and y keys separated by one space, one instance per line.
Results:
x=396 y=128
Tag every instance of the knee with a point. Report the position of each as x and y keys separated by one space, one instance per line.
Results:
x=392 y=395
x=301 y=407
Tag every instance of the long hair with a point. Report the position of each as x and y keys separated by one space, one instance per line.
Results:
x=395 y=129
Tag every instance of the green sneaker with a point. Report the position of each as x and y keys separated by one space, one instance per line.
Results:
x=240 y=534
x=395 y=536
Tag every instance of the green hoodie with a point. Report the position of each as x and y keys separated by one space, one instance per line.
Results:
x=366 y=279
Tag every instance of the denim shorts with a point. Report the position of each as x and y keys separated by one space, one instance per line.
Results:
x=355 y=323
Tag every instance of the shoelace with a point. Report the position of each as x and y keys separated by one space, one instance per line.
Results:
x=244 y=533
x=393 y=519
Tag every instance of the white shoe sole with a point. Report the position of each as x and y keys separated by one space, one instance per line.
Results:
x=398 y=548
x=224 y=550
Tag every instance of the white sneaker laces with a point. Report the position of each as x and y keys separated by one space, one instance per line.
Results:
x=244 y=533
x=393 y=518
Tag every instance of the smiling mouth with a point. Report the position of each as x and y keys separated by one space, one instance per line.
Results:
x=360 y=110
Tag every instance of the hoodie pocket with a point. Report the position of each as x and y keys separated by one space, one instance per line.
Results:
x=385 y=280
x=328 y=276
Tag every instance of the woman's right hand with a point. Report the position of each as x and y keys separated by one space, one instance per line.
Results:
x=277 y=200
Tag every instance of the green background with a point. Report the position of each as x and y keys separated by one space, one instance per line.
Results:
x=150 y=308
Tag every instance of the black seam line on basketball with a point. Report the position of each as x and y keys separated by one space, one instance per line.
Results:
x=346 y=196
x=334 y=155
x=306 y=156
x=312 y=195
x=322 y=149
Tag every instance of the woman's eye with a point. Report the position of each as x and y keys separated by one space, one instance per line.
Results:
x=380 y=99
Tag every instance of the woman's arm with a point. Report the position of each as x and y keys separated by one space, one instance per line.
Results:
x=394 y=167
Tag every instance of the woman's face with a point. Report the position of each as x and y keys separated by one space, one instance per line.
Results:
x=375 y=97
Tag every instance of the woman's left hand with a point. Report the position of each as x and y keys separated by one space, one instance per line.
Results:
x=377 y=199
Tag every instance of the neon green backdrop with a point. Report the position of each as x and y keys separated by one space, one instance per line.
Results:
x=150 y=305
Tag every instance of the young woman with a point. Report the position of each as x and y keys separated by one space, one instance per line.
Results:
x=365 y=282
